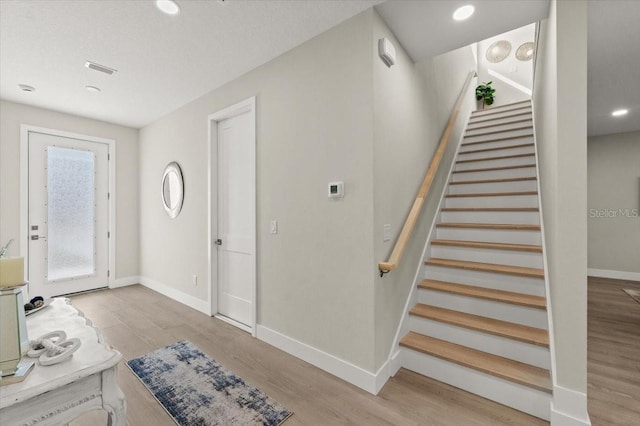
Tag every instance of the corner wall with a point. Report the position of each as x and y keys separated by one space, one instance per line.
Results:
x=412 y=103
x=314 y=126
x=560 y=102
x=614 y=205
x=12 y=115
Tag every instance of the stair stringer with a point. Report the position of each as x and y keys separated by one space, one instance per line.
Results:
x=395 y=360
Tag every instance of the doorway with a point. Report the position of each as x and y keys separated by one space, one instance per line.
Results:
x=66 y=220
x=233 y=214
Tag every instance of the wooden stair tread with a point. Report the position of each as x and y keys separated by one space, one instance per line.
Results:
x=491 y=169
x=497 y=110
x=493 y=132
x=510 y=297
x=518 y=372
x=504 y=226
x=493 y=194
x=487 y=245
x=522 y=120
x=504 y=117
x=487 y=267
x=471 y=182
x=506 y=138
x=501 y=157
x=475 y=151
x=489 y=209
x=510 y=330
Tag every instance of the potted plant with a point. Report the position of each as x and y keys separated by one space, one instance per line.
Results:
x=484 y=93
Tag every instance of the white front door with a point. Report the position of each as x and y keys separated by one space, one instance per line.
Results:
x=236 y=218
x=68 y=210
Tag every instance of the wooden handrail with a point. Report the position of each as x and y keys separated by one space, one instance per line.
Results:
x=423 y=192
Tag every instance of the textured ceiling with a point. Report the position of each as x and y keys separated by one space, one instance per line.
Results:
x=163 y=61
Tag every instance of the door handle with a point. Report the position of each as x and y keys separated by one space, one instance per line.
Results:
x=38 y=237
x=218 y=242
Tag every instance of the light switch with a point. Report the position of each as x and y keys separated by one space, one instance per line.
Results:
x=274 y=227
x=386 y=232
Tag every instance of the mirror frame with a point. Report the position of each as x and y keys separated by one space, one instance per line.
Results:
x=174 y=168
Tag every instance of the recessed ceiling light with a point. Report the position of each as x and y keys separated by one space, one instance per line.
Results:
x=620 y=112
x=26 y=88
x=463 y=12
x=169 y=7
x=98 y=67
x=92 y=88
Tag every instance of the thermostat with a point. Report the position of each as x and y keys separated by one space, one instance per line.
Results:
x=336 y=189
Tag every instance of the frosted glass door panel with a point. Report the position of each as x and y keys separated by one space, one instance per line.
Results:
x=71 y=213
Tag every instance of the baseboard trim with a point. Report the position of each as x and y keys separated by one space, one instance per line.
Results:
x=617 y=275
x=569 y=408
x=357 y=376
x=124 y=282
x=186 y=299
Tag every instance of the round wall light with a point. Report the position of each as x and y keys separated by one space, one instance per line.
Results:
x=526 y=51
x=463 y=12
x=498 y=51
x=169 y=7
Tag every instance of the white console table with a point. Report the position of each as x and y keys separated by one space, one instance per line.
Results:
x=57 y=394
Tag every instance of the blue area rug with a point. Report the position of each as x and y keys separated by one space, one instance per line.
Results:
x=196 y=390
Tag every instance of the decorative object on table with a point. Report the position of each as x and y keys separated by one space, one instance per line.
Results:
x=53 y=348
x=37 y=306
x=11 y=268
x=194 y=389
x=172 y=189
x=5 y=248
x=634 y=294
x=485 y=93
x=15 y=341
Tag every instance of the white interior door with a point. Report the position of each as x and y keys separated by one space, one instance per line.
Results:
x=68 y=211
x=236 y=218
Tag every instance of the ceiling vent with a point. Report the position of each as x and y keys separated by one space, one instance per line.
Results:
x=98 y=67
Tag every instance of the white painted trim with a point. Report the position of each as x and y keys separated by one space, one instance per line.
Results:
x=124 y=282
x=394 y=359
x=24 y=190
x=357 y=376
x=233 y=322
x=248 y=105
x=172 y=293
x=545 y=265
x=617 y=275
x=569 y=408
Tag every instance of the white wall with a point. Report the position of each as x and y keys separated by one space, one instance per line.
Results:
x=12 y=115
x=411 y=104
x=560 y=99
x=314 y=125
x=614 y=183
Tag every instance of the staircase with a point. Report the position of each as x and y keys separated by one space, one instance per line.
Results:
x=480 y=321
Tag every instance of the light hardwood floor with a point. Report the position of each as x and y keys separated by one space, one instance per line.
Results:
x=137 y=320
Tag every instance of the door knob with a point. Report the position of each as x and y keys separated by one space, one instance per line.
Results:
x=218 y=242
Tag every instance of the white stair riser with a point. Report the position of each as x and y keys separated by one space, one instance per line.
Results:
x=496 y=153
x=507 y=282
x=510 y=186
x=495 y=174
x=507 y=348
x=494 y=201
x=516 y=218
x=489 y=235
x=483 y=138
x=532 y=317
x=495 y=144
x=500 y=257
x=491 y=126
x=495 y=113
x=523 y=398
x=505 y=119
x=504 y=107
x=502 y=162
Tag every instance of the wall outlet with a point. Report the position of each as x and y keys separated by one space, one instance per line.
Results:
x=273 y=227
x=195 y=280
x=386 y=232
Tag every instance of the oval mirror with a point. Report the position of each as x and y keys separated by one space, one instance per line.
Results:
x=172 y=189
